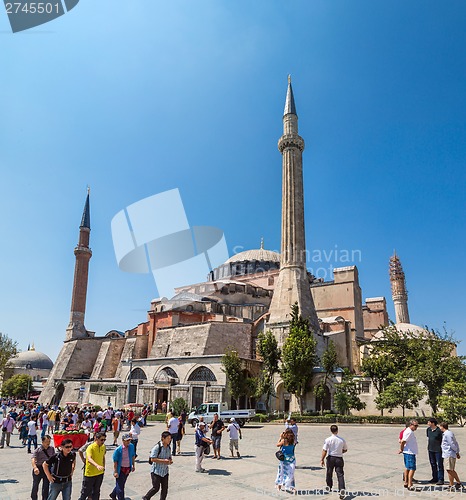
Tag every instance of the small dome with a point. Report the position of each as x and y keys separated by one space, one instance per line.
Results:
x=36 y=359
x=405 y=328
x=260 y=255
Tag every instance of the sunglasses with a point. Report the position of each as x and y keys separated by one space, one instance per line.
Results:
x=68 y=446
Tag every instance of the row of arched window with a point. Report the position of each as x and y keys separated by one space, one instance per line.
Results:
x=200 y=374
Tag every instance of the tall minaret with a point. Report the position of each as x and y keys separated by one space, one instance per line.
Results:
x=399 y=292
x=293 y=283
x=83 y=253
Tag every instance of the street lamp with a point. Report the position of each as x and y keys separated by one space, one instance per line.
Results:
x=128 y=392
x=28 y=367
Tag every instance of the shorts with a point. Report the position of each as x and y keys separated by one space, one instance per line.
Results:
x=449 y=463
x=216 y=442
x=410 y=461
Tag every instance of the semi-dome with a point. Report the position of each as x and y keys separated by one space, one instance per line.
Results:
x=405 y=329
x=37 y=360
x=259 y=254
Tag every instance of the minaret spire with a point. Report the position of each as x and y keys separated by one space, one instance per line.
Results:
x=399 y=292
x=293 y=283
x=83 y=253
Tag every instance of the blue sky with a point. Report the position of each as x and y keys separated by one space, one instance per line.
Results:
x=138 y=97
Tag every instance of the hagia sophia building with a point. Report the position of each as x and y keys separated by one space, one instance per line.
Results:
x=177 y=351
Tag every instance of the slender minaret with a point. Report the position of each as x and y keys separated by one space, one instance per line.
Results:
x=83 y=253
x=293 y=283
x=399 y=292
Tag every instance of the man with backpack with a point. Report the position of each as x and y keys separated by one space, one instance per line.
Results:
x=59 y=470
x=161 y=458
x=235 y=431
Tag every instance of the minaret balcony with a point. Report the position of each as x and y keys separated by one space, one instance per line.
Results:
x=290 y=141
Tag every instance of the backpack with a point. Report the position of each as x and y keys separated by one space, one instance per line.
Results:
x=158 y=453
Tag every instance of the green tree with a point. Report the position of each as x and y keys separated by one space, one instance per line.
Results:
x=453 y=402
x=403 y=392
x=178 y=405
x=8 y=350
x=347 y=395
x=268 y=350
x=329 y=363
x=434 y=363
x=235 y=376
x=250 y=389
x=298 y=357
x=17 y=386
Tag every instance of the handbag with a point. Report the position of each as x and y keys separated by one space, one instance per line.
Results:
x=3 y=429
x=280 y=455
x=206 y=449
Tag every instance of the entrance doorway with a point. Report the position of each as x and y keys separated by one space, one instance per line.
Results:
x=162 y=395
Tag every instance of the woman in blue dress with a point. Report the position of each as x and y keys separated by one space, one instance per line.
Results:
x=286 y=467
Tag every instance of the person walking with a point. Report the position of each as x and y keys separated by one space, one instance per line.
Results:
x=287 y=466
x=409 y=448
x=217 y=427
x=59 y=469
x=172 y=427
x=291 y=424
x=181 y=433
x=134 y=432
x=123 y=463
x=8 y=424
x=201 y=442
x=161 y=459
x=450 y=453
x=333 y=449
x=94 y=468
x=116 y=427
x=51 y=420
x=434 y=449
x=32 y=433
x=41 y=454
x=234 y=430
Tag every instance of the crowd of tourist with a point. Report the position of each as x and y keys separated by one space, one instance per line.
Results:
x=55 y=467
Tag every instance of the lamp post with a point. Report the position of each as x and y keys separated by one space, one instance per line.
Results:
x=128 y=392
x=28 y=367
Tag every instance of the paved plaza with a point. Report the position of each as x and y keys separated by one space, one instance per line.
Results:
x=372 y=466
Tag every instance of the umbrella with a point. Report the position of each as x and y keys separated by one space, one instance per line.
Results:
x=134 y=405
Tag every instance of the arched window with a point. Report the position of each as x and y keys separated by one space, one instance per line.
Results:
x=138 y=374
x=166 y=375
x=202 y=374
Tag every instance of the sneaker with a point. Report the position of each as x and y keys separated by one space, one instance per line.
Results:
x=219 y=457
x=238 y=455
x=439 y=483
x=458 y=486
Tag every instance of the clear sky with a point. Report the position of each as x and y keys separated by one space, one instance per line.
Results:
x=140 y=96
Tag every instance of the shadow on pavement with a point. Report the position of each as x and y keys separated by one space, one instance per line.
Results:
x=218 y=472
x=4 y=481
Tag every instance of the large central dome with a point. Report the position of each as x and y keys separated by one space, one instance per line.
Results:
x=260 y=255
x=248 y=262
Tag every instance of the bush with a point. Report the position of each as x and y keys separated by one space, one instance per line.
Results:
x=178 y=405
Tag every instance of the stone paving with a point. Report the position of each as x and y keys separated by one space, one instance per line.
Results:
x=372 y=466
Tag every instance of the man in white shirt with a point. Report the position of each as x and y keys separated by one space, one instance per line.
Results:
x=172 y=428
x=333 y=449
x=234 y=430
x=32 y=433
x=408 y=447
x=450 y=452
